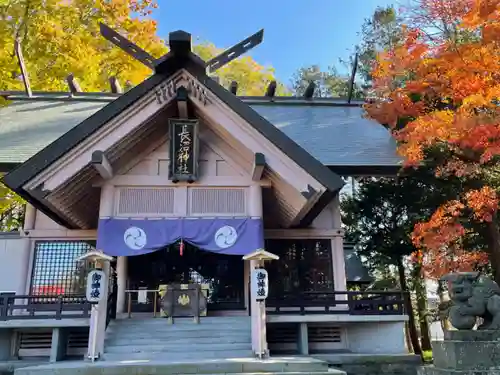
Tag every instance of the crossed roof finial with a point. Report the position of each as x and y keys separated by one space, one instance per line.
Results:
x=180 y=44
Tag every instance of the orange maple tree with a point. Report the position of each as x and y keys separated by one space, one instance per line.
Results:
x=441 y=96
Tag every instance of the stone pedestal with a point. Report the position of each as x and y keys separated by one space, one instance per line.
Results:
x=466 y=353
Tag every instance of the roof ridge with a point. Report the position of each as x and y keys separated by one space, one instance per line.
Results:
x=109 y=96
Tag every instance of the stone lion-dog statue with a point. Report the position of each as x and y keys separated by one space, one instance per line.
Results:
x=473 y=296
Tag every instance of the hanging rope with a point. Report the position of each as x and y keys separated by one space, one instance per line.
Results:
x=181 y=247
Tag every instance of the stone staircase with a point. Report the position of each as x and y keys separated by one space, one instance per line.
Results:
x=154 y=339
x=230 y=366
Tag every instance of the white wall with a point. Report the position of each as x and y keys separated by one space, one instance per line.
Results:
x=377 y=338
x=14 y=263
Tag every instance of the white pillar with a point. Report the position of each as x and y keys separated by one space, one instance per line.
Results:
x=258 y=309
x=338 y=259
x=97 y=330
x=102 y=307
x=29 y=217
x=25 y=281
x=98 y=318
x=121 y=281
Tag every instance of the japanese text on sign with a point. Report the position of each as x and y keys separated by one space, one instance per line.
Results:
x=260 y=283
x=95 y=285
x=183 y=150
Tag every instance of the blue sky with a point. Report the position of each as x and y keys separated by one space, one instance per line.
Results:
x=296 y=32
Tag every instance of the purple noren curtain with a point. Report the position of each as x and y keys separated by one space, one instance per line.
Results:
x=129 y=237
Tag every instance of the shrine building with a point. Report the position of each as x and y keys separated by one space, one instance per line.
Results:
x=179 y=191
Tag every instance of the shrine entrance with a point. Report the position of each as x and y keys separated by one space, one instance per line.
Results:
x=222 y=274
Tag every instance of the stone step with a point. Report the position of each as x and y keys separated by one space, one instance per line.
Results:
x=192 y=348
x=180 y=327
x=180 y=321
x=249 y=366
x=178 y=340
x=193 y=335
x=179 y=333
x=177 y=356
x=165 y=332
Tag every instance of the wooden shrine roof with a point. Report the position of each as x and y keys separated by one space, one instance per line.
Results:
x=332 y=131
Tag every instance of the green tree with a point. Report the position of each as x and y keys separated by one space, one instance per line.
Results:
x=328 y=83
x=11 y=210
x=381 y=32
x=380 y=218
x=63 y=37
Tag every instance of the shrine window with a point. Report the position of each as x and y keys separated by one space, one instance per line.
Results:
x=55 y=269
x=305 y=265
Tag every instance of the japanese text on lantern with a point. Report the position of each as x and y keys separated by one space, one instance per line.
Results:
x=261 y=284
x=95 y=280
x=96 y=286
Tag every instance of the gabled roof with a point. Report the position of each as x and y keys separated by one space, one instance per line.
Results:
x=179 y=57
x=337 y=135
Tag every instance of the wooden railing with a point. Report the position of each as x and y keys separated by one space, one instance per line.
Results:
x=111 y=306
x=352 y=303
x=18 y=307
x=156 y=301
x=154 y=292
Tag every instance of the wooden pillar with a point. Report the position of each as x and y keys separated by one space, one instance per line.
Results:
x=121 y=280
x=338 y=259
x=25 y=281
x=303 y=343
x=29 y=217
x=258 y=309
x=102 y=307
x=97 y=330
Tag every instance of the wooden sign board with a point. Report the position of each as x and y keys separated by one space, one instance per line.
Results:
x=184 y=150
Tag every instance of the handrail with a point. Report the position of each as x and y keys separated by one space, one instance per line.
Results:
x=43 y=307
x=129 y=303
x=155 y=301
x=111 y=306
x=353 y=303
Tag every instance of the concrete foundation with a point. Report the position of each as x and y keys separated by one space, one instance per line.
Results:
x=288 y=365
x=371 y=364
x=465 y=353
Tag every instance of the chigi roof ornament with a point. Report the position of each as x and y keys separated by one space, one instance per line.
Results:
x=180 y=44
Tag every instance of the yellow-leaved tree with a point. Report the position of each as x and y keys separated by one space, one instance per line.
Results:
x=59 y=37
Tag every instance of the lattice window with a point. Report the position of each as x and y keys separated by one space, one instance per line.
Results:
x=304 y=266
x=137 y=201
x=55 y=270
x=282 y=333
x=324 y=333
x=217 y=201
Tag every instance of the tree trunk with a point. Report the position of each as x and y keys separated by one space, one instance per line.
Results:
x=494 y=248
x=409 y=308
x=422 y=308
x=443 y=317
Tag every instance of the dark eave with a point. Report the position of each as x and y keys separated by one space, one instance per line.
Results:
x=168 y=66
x=43 y=159
x=43 y=206
x=8 y=167
x=365 y=170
